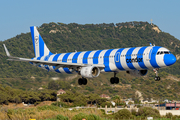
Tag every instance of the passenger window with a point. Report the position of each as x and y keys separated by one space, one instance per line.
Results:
x=161 y=52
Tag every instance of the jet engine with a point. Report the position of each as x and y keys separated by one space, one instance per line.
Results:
x=89 y=72
x=137 y=73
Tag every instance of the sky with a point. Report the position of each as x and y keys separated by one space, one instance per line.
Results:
x=16 y=16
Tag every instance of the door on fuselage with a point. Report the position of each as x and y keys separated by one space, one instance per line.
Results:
x=148 y=54
x=117 y=57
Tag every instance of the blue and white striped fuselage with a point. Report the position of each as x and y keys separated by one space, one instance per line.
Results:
x=114 y=60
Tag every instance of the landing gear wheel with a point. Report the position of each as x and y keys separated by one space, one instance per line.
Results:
x=82 y=81
x=116 y=80
x=112 y=80
x=157 y=78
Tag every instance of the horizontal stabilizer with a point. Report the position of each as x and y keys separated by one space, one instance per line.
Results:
x=7 y=52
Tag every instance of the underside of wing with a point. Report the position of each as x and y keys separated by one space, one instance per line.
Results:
x=54 y=63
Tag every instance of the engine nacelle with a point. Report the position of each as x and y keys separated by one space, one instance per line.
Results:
x=90 y=72
x=137 y=73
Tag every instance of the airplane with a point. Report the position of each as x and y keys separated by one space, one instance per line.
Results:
x=135 y=61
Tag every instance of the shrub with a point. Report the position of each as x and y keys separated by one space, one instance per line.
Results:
x=48 y=107
x=61 y=117
x=79 y=116
x=106 y=103
x=36 y=103
x=148 y=111
x=133 y=112
x=124 y=113
x=169 y=115
x=61 y=103
x=93 y=117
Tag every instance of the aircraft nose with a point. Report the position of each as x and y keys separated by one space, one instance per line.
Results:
x=169 y=59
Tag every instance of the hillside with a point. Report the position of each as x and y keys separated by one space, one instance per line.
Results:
x=61 y=37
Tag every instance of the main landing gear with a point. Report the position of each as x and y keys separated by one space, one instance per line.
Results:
x=114 y=79
x=82 y=81
x=157 y=78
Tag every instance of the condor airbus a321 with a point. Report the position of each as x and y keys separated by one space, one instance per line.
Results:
x=89 y=64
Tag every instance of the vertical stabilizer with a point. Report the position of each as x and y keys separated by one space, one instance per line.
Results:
x=40 y=48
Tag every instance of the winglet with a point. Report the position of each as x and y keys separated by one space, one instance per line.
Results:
x=7 y=52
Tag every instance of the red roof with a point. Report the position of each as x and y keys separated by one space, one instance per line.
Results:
x=104 y=96
x=61 y=91
x=172 y=104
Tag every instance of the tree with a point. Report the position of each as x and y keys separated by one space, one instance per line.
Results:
x=93 y=98
x=53 y=85
x=117 y=99
x=17 y=100
x=123 y=114
x=148 y=111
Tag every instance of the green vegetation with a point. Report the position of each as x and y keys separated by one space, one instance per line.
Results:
x=124 y=113
x=49 y=113
x=61 y=117
x=148 y=111
x=78 y=99
x=8 y=94
x=56 y=113
x=81 y=116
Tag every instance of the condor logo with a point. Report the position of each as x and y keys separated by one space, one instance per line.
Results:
x=133 y=60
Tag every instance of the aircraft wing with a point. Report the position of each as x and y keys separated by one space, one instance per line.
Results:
x=51 y=63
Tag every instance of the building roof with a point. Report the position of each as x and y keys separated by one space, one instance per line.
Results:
x=104 y=96
x=61 y=91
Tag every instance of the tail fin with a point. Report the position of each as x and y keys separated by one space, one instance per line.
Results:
x=40 y=48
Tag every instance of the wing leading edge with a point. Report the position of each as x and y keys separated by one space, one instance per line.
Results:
x=50 y=63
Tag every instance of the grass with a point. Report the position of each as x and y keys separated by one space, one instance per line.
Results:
x=44 y=112
x=50 y=113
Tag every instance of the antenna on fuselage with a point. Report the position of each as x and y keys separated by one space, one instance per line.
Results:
x=152 y=45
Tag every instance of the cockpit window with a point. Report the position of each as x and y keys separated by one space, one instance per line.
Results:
x=163 y=52
x=166 y=52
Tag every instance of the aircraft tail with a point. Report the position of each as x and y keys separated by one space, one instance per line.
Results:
x=40 y=48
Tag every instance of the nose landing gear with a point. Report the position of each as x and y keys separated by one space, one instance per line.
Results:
x=157 y=78
x=114 y=79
